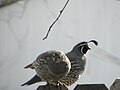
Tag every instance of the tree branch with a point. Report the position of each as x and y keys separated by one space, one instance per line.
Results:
x=55 y=20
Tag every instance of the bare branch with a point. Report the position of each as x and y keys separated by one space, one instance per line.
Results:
x=55 y=20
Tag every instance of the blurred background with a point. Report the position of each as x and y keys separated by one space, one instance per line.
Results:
x=24 y=24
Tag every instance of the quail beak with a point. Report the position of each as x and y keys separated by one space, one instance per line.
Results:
x=89 y=48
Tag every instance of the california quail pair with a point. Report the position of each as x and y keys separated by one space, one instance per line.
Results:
x=56 y=67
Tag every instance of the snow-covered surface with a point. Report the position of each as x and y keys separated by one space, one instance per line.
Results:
x=23 y=26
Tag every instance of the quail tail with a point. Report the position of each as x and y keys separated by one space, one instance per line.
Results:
x=34 y=80
x=29 y=66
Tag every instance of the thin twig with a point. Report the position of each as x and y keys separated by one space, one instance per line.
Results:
x=55 y=20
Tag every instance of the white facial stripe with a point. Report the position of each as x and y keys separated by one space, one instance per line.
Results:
x=83 y=44
x=82 y=49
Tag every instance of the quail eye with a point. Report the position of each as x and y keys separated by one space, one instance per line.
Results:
x=53 y=55
x=58 y=56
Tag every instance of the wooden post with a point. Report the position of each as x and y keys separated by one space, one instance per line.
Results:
x=115 y=85
x=52 y=87
x=91 y=87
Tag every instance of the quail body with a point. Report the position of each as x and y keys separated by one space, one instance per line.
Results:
x=78 y=61
x=50 y=67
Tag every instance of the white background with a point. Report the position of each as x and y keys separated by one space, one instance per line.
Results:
x=23 y=26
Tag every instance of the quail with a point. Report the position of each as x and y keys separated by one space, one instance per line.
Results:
x=50 y=67
x=78 y=61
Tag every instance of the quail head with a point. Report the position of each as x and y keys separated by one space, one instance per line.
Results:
x=77 y=60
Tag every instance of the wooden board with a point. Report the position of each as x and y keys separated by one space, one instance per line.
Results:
x=91 y=87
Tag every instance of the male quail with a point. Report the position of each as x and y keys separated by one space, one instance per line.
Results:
x=78 y=62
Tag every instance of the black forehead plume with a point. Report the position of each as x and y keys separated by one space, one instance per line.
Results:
x=86 y=43
x=94 y=41
x=81 y=43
